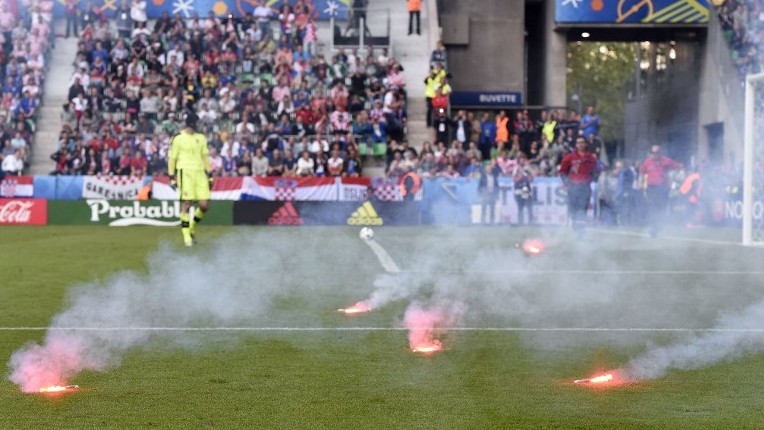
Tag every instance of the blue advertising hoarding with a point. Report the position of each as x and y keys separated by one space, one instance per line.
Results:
x=187 y=8
x=665 y=12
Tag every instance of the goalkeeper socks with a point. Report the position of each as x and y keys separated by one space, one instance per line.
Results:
x=185 y=227
x=198 y=215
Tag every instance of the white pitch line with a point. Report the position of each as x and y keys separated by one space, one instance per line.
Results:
x=362 y=329
x=384 y=258
x=601 y=272
x=674 y=238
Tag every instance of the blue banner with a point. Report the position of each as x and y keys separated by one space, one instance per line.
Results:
x=68 y=187
x=486 y=98
x=449 y=201
x=667 y=12
x=187 y=8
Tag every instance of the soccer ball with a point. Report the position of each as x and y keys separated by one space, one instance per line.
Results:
x=366 y=233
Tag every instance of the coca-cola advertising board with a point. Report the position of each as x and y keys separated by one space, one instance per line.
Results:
x=23 y=212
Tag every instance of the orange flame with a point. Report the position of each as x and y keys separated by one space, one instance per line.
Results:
x=58 y=388
x=596 y=380
x=357 y=308
x=533 y=247
x=428 y=348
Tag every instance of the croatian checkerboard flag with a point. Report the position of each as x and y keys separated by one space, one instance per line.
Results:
x=17 y=186
x=289 y=189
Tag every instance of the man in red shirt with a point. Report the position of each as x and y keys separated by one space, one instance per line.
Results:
x=654 y=172
x=578 y=170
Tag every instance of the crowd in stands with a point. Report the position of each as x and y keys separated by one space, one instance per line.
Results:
x=469 y=139
x=26 y=37
x=743 y=24
x=267 y=100
x=466 y=143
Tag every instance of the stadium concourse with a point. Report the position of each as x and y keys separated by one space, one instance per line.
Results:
x=263 y=97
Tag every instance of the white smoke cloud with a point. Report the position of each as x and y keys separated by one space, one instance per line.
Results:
x=232 y=283
x=734 y=336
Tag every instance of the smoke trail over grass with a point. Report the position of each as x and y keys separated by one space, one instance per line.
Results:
x=736 y=335
x=233 y=282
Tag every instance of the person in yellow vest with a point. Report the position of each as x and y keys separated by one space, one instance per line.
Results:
x=431 y=85
x=415 y=10
x=549 y=126
x=190 y=172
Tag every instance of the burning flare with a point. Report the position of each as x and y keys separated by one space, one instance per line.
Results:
x=603 y=379
x=357 y=308
x=428 y=348
x=59 y=388
x=424 y=325
x=531 y=247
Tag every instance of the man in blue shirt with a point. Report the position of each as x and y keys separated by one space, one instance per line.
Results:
x=27 y=104
x=487 y=136
x=590 y=123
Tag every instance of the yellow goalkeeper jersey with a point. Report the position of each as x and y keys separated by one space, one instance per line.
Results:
x=188 y=151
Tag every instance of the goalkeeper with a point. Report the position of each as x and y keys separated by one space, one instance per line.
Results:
x=191 y=174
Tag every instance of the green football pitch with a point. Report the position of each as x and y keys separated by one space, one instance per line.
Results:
x=242 y=330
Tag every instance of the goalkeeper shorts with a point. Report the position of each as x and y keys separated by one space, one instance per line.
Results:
x=193 y=185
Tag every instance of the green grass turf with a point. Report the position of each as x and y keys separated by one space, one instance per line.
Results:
x=369 y=379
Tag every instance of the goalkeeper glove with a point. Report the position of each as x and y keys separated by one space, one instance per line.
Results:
x=173 y=183
x=210 y=179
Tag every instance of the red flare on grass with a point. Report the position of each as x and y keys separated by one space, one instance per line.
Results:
x=610 y=378
x=58 y=388
x=428 y=348
x=357 y=308
x=533 y=247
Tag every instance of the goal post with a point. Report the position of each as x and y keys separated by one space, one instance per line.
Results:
x=753 y=159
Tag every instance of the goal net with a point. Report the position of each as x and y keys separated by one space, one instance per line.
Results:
x=753 y=169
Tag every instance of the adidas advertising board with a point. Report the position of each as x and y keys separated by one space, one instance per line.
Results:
x=365 y=215
x=368 y=213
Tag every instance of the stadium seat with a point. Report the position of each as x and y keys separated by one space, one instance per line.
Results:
x=379 y=149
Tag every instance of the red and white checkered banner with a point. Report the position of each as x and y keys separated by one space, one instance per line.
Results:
x=111 y=187
x=289 y=189
x=17 y=186
x=387 y=191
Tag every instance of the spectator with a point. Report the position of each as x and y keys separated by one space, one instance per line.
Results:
x=72 y=17
x=305 y=165
x=438 y=55
x=276 y=164
x=13 y=164
x=654 y=172
x=138 y=164
x=335 y=165
x=578 y=170
x=524 y=194
x=415 y=10
x=590 y=123
x=259 y=164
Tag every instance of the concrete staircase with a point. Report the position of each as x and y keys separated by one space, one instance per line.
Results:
x=413 y=52
x=54 y=97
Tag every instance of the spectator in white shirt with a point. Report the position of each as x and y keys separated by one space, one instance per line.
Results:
x=305 y=165
x=138 y=11
x=13 y=164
